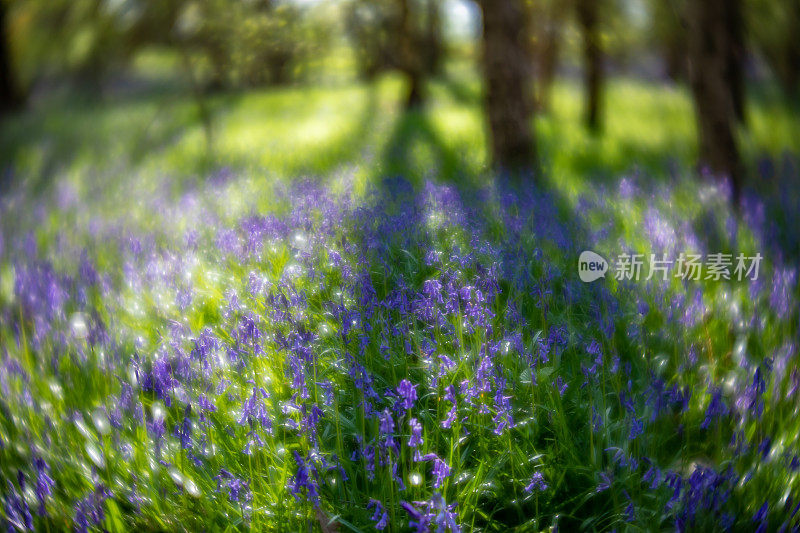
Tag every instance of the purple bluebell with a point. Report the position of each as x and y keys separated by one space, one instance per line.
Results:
x=44 y=484
x=237 y=489
x=415 y=440
x=305 y=480
x=90 y=510
x=637 y=428
x=15 y=507
x=440 y=471
x=716 y=409
x=536 y=482
x=407 y=395
x=604 y=483
x=380 y=516
x=761 y=518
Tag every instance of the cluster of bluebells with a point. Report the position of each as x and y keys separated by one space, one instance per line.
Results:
x=388 y=357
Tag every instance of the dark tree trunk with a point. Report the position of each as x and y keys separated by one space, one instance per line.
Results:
x=10 y=95
x=411 y=56
x=785 y=61
x=675 y=59
x=668 y=30
x=549 y=52
x=593 y=61
x=433 y=38
x=414 y=99
x=789 y=74
x=735 y=21
x=508 y=89
x=780 y=47
x=91 y=74
x=712 y=42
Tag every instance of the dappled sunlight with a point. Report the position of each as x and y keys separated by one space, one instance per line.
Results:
x=420 y=265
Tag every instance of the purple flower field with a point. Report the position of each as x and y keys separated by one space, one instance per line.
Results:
x=407 y=266
x=397 y=356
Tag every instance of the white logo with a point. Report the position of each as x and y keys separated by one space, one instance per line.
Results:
x=591 y=266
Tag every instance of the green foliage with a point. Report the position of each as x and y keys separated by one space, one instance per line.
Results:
x=249 y=44
x=108 y=172
x=773 y=29
x=238 y=44
x=371 y=28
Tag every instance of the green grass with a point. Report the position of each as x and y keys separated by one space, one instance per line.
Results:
x=89 y=180
x=314 y=131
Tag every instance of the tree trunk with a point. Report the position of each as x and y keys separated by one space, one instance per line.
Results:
x=10 y=96
x=433 y=38
x=90 y=75
x=735 y=22
x=711 y=45
x=778 y=44
x=411 y=60
x=789 y=75
x=508 y=90
x=675 y=59
x=668 y=32
x=593 y=61
x=549 y=52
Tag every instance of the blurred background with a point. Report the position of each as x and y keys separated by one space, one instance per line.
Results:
x=161 y=158
x=398 y=86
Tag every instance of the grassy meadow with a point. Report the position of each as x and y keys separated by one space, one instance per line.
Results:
x=302 y=309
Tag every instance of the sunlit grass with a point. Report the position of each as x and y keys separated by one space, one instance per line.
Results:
x=181 y=234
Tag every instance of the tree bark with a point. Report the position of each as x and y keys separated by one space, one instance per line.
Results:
x=593 y=61
x=507 y=64
x=735 y=22
x=668 y=32
x=675 y=59
x=433 y=38
x=712 y=43
x=548 y=52
x=10 y=95
x=777 y=42
x=411 y=60
x=789 y=73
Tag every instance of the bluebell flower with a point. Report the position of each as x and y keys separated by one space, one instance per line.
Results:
x=386 y=425
x=380 y=516
x=761 y=518
x=652 y=476
x=184 y=430
x=415 y=439
x=637 y=428
x=15 y=507
x=716 y=408
x=764 y=447
x=157 y=429
x=305 y=480
x=536 y=482
x=604 y=483
x=44 y=483
x=451 y=417
x=418 y=520
x=90 y=510
x=254 y=410
x=238 y=489
x=407 y=393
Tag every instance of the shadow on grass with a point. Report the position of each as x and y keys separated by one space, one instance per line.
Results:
x=418 y=168
x=415 y=151
x=50 y=140
x=123 y=135
x=505 y=212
